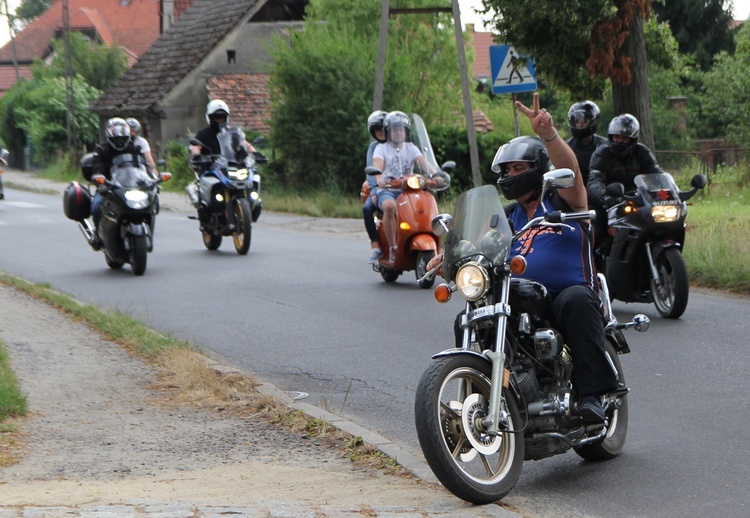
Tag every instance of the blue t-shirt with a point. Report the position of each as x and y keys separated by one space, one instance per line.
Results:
x=370 y=178
x=556 y=257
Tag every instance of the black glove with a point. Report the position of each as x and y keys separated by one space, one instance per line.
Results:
x=608 y=201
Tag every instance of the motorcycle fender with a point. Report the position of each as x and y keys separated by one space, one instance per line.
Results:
x=422 y=242
x=460 y=352
x=617 y=338
x=135 y=229
x=658 y=248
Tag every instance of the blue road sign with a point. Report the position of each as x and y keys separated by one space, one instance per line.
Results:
x=511 y=72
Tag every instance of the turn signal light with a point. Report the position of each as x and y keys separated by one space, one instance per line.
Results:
x=518 y=265
x=442 y=293
x=404 y=226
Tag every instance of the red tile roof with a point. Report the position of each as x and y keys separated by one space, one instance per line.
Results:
x=247 y=96
x=481 y=42
x=8 y=76
x=131 y=24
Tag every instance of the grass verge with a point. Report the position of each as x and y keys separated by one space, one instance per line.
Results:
x=192 y=378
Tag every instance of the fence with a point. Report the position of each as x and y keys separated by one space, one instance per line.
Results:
x=709 y=162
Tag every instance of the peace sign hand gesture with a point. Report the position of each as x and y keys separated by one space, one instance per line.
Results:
x=541 y=121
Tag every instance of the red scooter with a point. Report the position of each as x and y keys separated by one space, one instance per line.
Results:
x=415 y=240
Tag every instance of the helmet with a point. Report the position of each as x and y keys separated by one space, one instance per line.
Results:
x=117 y=132
x=134 y=125
x=583 y=119
x=396 y=119
x=217 y=107
x=625 y=125
x=521 y=149
x=375 y=121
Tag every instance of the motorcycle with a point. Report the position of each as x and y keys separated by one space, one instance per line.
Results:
x=415 y=209
x=643 y=251
x=4 y=154
x=129 y=210
x=506 y=396
x=226 y=191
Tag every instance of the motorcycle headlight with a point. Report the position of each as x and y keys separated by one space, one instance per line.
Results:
x=472 y=281
x=416 y=182
x=665 y=213
x=239 y=174
x=136 y=199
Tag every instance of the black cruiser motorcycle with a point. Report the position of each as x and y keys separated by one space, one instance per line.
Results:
x=129 y=210
x=643 y=255
x=506 y=396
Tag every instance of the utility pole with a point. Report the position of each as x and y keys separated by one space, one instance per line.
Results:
x=70 y=123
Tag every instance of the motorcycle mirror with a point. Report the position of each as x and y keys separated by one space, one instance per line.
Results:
x=450 y=164
x=441 y=224
x=161 y=162
x=257 y=140
x=99 y=178
x=699 y=181
x=616 y=190
x=560 y=179
x=372 y=170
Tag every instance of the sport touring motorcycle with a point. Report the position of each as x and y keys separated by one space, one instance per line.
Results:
x=506 y=396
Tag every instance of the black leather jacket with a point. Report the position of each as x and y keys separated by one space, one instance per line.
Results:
x=606 y=168
x=583 y=153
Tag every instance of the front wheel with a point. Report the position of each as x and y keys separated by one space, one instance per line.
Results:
x=422 y=259
x=138 y=254
x=211 y=241
x=242 y=225
x=671 y=293
x=452 y=398
x=616 y=407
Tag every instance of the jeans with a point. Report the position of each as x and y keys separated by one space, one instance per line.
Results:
x=96 y=209
x=368 y=212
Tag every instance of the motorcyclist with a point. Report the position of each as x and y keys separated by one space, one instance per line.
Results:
x=620 y=161
x=138 y=140
x=217 y=117
x=561 y=260
x=395 y=158
x=118 y=142
x=377 y=131
x=583 y=121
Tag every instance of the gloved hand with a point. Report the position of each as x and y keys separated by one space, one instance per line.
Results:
x=608 y=201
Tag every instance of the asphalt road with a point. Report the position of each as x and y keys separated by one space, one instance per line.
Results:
x=304 y=312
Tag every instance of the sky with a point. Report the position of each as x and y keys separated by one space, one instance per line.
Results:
x=741 y=12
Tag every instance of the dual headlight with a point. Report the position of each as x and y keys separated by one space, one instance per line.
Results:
x=472 y=281
x=239 y=174
x=665 y=213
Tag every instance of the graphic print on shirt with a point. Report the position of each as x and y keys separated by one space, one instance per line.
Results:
x=526 y=240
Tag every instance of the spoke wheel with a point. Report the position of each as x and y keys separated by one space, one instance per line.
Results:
x=243 y=225
x=422 y=259
x=452 y=399
x=671 y=293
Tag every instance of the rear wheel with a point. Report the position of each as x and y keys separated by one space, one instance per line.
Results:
x=242 y=225
x=671 y=293
x=451 y=401
x=422 y=259
x=617 y=413
x=211 y=241
x=138 y=254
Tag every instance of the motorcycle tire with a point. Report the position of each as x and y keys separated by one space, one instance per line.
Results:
x=617 y=413
x=473 y=466
x=138 y=254
x=211 y=241
x=243 y=225
x=422 y=259
x=389 y=275
x=671 y=295
x=114 y=264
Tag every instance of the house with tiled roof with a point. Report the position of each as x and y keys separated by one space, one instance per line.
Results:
x=215 y=49
x=133 y=25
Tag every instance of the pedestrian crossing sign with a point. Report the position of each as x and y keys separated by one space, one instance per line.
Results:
x=511 y=72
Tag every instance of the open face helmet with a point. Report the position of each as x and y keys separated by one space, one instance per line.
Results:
x=521 y=149
x=375 y=122
x=583 y=119
x=135 y=126
x=627 y=126
x=217 y=112
x=117 y=132
x=394 y=121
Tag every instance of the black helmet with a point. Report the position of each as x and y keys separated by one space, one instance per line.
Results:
x=583 y=119
x=625 y=125
x=376 y=121
x=117 y=132
x=521 y=149
x=395 y=119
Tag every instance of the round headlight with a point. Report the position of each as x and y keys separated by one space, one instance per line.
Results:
x=416 y=182
x=472 y=281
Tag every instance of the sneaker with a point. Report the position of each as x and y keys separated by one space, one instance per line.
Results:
x=590 y=409
x=374 y=256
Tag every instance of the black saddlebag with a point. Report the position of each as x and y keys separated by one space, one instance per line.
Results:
x=76 y=202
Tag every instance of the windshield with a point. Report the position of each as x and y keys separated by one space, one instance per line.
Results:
x=658 y=185
x=230 y=141
x=129 y=174
x=479 y=226
x=420 y=139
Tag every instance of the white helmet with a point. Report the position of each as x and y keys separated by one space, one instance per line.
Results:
x=215 y=106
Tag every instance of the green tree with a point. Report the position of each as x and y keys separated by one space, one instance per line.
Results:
x=27 y=10
x=701 y=27
x=323 y=81
x=98 y=65
x=578 y=43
